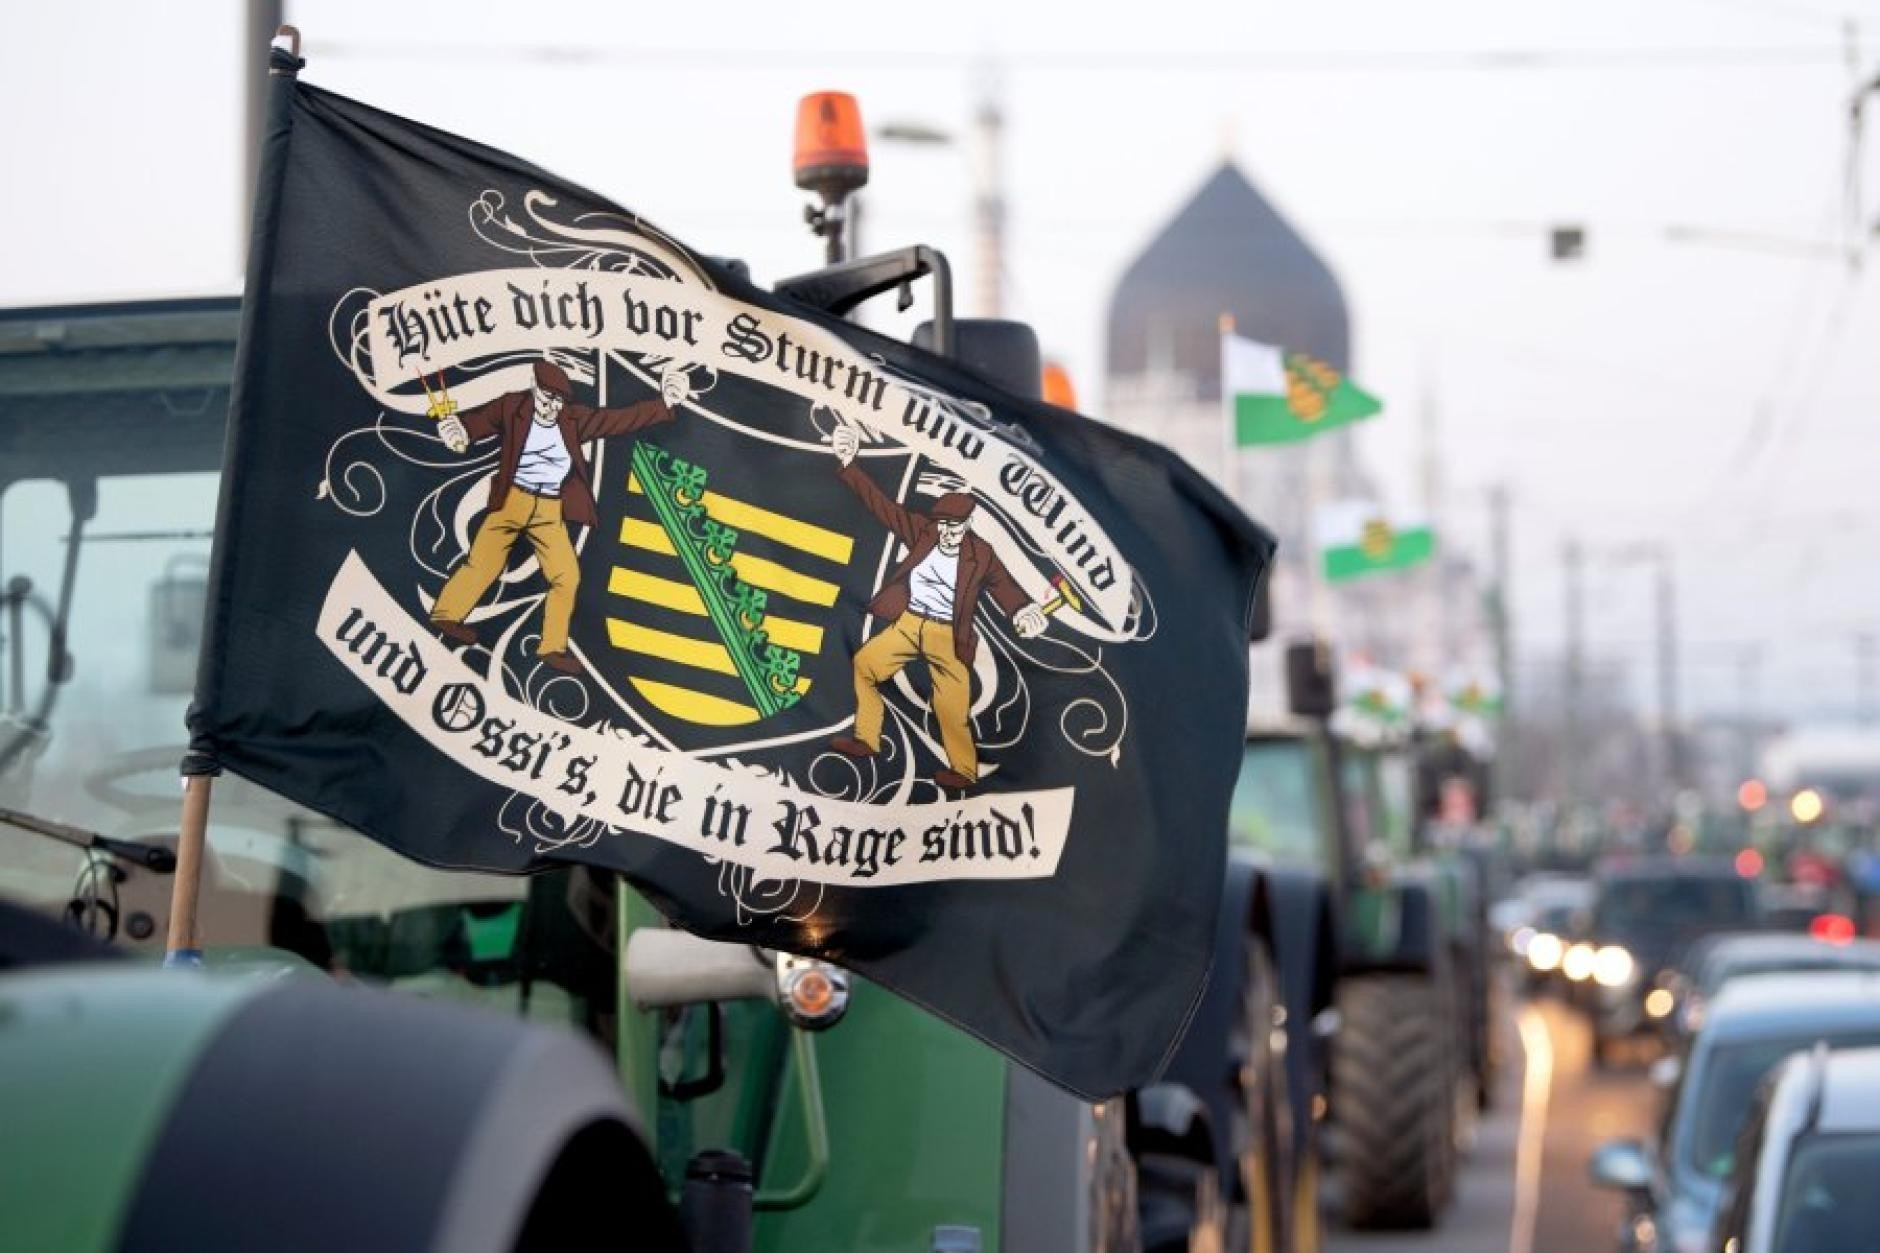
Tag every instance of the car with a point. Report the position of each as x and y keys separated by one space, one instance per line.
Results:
x=1543 y=904
x=1545 y=943
x=1808 y=1158
x=1674 y=1187
x=1795 y=906
x=1717 y=959
x=1644 y=913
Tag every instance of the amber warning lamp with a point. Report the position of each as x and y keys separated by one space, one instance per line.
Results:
x=831 y=151
x=1057 y=386
x=831 y=160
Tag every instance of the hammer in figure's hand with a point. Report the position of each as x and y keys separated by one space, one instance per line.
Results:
x=451 y=430
x=845 y=443
x=1029 y=622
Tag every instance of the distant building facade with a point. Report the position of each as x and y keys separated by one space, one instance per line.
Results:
x=1229 y=252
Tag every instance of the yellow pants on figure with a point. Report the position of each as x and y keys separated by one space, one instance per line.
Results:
x=908 y=638
x=537 y=519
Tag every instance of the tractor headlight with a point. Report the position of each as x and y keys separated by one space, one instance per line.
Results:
x=1613 y=967
x=1578 y=963
x=813 y=994
x=1544 y=952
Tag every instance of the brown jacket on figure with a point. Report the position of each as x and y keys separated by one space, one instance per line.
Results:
x=509 y=416
x=980 y=568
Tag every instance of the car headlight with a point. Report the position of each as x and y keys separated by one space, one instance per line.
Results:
x=1544 y=952
x=1578 y=963
x=1659 y=1003
x=1613 y=967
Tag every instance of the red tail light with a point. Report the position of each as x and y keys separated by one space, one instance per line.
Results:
x=1832 y=929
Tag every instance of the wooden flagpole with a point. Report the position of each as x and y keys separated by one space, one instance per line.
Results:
x=185 y=941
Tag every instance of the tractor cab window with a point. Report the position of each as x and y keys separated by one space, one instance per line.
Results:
x=1358 y=791
x=1396 y=781
x=105 y=529
x=1276 y=803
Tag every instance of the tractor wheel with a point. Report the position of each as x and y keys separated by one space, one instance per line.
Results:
x=333 y=1117
x=1257 y=1219
x=1393 y=1096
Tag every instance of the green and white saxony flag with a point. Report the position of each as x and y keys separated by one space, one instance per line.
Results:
x=1356 y=538
x=1382 y=696
x=1473 y=693
x=1279 y=397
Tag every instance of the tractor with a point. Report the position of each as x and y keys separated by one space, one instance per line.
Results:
x=288 y=1097
x=1380 y=944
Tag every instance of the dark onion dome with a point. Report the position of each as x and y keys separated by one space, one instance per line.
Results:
x=1227 y=251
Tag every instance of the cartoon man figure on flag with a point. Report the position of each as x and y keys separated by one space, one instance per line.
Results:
x=928 y=603
x=542 y=483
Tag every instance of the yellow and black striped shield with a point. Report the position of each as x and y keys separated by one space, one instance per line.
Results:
x=712 y=593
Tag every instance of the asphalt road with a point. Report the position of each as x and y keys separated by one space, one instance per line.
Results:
x=1524 y=1187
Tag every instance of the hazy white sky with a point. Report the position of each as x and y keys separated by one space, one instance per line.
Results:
x=1620 y=398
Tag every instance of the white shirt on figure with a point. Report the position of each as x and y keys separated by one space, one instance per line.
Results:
x=545 y=460
x=931 y=586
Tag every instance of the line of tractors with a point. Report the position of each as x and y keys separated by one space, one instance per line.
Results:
x=755 y=1101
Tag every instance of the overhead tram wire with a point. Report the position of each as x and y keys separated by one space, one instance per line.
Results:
x=1767 y=421
x=1784 y=9
x=1788 y=436
x=1491 y=60
x=1755 y=437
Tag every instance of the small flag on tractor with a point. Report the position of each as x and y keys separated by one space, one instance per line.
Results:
x=1279 y=397
x=544 y=539
x=1474 y=694
x=1378 y=695
x=1357 y=538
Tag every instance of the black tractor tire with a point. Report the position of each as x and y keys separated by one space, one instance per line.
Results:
x=332 y=1117
x=1393 y=1097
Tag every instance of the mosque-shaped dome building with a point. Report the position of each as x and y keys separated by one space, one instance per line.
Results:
x=1226 y=251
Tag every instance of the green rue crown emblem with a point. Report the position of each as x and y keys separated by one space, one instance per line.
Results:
x=676 y=490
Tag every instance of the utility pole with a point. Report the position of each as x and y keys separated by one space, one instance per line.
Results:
x=1866 y=650
x=1668 y=671
x=1573 y=561
x=1507 y=782
x=1748 y=664
x=987 y=160
x=983 y=147
x=1435 y=630
x=1665 y=594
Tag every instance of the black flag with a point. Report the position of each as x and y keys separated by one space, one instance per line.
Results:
x=543 y=538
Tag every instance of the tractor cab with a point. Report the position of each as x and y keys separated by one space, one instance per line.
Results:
x=1381 y=946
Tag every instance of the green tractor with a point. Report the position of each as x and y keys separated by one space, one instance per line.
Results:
x=756 y=1101
x=1382 y=951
